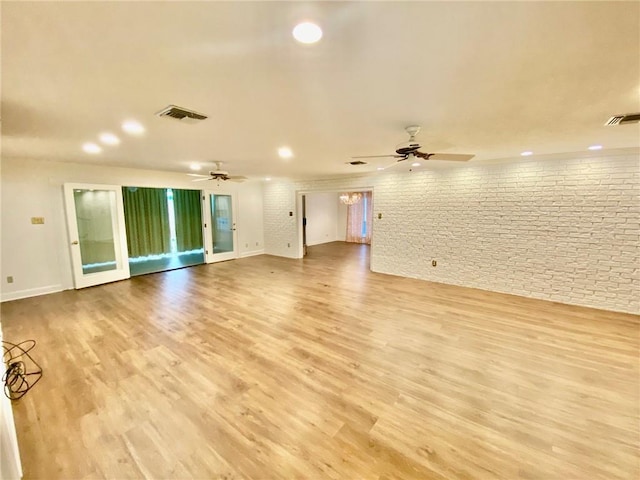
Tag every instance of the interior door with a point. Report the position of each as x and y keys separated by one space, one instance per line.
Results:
x=304 y=225
x=220 y=227
x=95 y=222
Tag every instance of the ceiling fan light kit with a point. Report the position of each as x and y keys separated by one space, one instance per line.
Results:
x=217 y=174
x=411 y=148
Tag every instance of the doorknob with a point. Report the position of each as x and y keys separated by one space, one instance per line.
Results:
x=75 y=242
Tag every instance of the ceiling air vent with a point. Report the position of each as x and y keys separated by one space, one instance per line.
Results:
x=624 y=119
x=183 y=114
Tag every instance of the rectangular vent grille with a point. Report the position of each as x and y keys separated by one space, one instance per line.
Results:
x=624 y=119
x=180 y=113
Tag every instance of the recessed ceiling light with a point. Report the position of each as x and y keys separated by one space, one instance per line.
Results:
x=195 y=167
x=132 y=127
x=526 y=154
x=268 y=179
x=307 y=32
x=109 y=138
x=285 y=152
x=380 y=168
x=91 y=148
x=595 y=147
x=415 y=164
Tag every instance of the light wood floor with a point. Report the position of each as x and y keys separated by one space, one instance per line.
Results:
x=271 y=368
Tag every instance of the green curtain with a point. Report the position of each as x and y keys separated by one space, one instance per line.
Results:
x=146 y=217
x=188 y=210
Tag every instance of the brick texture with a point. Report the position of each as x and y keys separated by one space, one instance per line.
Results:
x=565 y=231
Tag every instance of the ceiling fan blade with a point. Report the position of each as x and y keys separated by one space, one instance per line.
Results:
x=451 y=157
x=202 y=179
x=197 y=175
x=401 y=159
x=237 y=178
x=378 y=156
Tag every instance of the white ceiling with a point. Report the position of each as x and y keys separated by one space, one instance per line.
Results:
x=492 y=79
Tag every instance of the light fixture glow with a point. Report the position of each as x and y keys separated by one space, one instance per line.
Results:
x=109 y=138
x=307 y=32
x=133 y=127
x=595 y=147
x=268 y=179
x=195 y=167
x=350 y=198
x=526 y=154
x=285 y=152
x=92 y=148
x=415 y=164
x=380 y=168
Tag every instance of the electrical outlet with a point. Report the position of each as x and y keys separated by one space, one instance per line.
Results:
x=257 y=243
x=9 y=279
x=434 y=263
x=246 y=245
x=379 y=216
x=288 y=245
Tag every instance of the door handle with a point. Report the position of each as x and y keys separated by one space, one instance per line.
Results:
x=75 y=242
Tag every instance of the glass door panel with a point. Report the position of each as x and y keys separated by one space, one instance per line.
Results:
x=95 y=221
x=222 y=223
x=94 y=217
x=221 y=234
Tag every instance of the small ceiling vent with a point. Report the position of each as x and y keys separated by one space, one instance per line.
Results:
x=183 y=114
x=624 y=119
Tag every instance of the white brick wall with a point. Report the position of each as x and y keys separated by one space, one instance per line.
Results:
x=565 y=230
x=279 y=200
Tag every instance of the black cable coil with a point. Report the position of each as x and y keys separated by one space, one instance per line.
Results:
x=23 y=372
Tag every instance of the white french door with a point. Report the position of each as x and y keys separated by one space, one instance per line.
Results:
x=220 y=235
x=95 y=222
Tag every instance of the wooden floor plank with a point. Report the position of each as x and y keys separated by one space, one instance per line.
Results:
x=273 y=368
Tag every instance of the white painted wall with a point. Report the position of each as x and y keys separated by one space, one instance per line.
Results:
x=37 y=256
x=342 y=222
x=10 y=466
x=565 y=230
x=322 y=218
x=250 y=220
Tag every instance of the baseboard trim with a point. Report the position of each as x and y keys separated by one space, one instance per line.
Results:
x=31 y=292
x=322 y=242
x=251 y=253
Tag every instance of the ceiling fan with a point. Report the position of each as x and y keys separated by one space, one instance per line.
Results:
x=217 y=174
x=411 y=148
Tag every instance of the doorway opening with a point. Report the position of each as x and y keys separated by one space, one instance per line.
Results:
x=164 y=229
x=359 y=217
x=323 y=218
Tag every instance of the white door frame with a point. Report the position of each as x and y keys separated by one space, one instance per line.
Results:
x=209 y=256
x=121 y=272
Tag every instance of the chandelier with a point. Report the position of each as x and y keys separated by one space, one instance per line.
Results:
x=350 y=198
